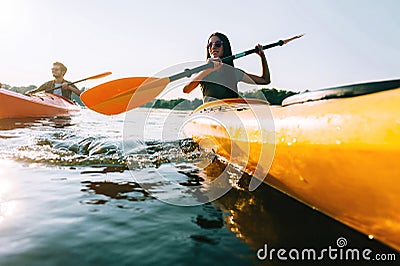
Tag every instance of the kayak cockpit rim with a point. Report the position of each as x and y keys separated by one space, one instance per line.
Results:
x=342 y=91
x=230 y=101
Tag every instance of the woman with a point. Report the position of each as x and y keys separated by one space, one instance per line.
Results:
x=220 y=82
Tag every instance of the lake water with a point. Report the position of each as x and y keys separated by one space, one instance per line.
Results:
x=97 y=190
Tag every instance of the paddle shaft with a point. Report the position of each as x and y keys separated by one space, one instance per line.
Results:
x=69 y=83
x=122 y=95
x=189 y=72
x=92 y=77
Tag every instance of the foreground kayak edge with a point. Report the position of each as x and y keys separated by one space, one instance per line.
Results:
x=339 y=156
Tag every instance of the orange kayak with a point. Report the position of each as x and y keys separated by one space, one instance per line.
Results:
x=336 y=152
x=14 y=105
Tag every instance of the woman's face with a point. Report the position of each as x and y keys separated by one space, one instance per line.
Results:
x=215 y=47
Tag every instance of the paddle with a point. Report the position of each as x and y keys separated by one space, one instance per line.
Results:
x=115 y=97
x=102 y=75
x=70 y=83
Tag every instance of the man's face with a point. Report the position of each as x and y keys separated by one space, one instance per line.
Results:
x=56 y=71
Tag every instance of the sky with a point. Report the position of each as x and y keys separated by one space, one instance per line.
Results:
x=346 y=41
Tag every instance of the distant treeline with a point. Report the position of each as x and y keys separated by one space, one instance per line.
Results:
x=273 y=96
x=176 y=104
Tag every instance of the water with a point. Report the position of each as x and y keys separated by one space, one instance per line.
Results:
x=70 y=194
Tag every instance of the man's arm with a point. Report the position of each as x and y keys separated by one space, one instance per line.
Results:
x=44 y=87
x=72 y=88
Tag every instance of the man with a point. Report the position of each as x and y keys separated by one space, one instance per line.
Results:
x=59 y=85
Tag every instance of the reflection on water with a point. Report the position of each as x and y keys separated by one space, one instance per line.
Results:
x=27 y=122
x=10 y=123
x=267 y=216
x=7 y=205
x=210 y=221
x=130 y=191
x=263 y=216
x=108 y=169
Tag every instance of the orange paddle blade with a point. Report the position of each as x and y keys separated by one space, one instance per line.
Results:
x=99 y=75
x=121 y=95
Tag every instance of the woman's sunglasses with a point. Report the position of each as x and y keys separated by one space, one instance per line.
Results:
x=217 y=44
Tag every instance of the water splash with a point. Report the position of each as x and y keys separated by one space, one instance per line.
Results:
x=68 y=149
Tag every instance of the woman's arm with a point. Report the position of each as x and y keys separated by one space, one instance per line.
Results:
x=196 y=80
x=199 y=77
x=265 y=78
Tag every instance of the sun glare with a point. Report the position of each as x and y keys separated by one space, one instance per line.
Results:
x=7 y=207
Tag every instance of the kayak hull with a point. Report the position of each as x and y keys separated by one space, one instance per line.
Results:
x=339 y=156
x=15 y=105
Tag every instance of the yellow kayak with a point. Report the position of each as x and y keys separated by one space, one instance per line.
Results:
x=336 y=150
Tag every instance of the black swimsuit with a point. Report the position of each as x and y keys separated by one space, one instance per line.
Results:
x=221 y=84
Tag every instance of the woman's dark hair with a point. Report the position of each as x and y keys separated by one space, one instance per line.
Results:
x=226 y=45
